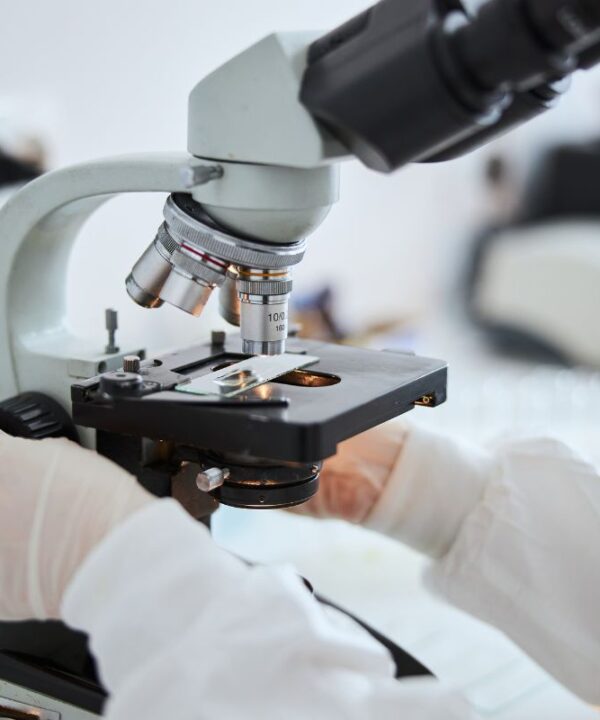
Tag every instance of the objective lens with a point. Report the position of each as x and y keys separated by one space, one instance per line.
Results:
x=191 y=256
x=194 y=276
x=264 y=296
x=150 y=272
x=229 y=300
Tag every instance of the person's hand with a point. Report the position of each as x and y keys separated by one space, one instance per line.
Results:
x=353 y=480
x=57 y=502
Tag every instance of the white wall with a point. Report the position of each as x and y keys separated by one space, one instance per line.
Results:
x=112 y=77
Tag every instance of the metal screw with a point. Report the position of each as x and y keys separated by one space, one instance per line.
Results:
x=131 y=363
x=211 y=478
x=194 y=175
x=217 y=338
x=112 y=323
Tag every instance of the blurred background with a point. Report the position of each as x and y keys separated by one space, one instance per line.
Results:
x=491 y=262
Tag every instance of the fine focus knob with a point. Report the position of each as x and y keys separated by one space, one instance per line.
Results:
x=35 y=416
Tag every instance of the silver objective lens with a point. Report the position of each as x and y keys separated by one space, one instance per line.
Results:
x=229 y=300
x=192 y=279
x=264 y=296
x=150 y=272
x=191 y=255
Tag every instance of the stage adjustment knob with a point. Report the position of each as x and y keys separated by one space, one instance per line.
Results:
x=35 y=416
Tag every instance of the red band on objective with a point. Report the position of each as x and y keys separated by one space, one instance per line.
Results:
x=204 y=256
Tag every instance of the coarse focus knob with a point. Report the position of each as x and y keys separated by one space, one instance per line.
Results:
x=36 y=416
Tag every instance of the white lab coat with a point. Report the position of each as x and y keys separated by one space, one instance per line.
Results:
x=183 y=630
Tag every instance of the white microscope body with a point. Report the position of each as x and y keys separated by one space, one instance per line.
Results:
x=273 y=182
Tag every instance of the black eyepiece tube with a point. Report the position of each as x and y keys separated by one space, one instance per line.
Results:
x=386 y=85
x=503 y=48
x=525 y=107
x=590 y=57
x=556 y=18
x=414 y=80
x=565 y=25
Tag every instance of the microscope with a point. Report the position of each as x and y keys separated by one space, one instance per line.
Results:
x=247 y=418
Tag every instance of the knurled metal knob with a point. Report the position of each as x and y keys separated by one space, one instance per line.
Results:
x=36 y=416
x=131 y=363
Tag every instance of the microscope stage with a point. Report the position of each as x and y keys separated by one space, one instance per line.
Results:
x=299 y=417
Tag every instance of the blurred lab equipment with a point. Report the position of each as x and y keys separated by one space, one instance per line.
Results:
x=315 y=315
x=23 y=155
x=15 y=170
x=534 y=284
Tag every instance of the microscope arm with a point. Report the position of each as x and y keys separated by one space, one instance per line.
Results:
x=38 y=227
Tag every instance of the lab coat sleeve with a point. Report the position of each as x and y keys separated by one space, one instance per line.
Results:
x=182 y=629
x=515 y=537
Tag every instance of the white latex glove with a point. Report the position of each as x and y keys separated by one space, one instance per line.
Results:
x=181 y=629
x=57 y=502
x=353 y=480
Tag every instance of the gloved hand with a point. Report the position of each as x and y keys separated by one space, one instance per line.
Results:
x=353 y=480
x=57 y=502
